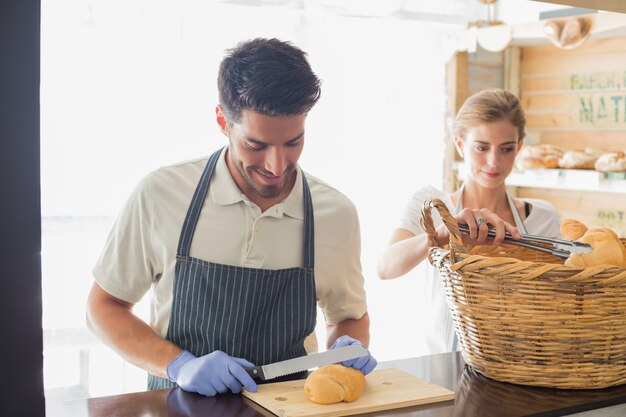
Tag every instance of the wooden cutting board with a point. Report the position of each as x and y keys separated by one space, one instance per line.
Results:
x=385 y=389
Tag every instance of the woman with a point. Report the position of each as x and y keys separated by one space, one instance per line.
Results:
x=488 y=134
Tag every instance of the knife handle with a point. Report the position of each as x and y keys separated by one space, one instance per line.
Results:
x=256 y=372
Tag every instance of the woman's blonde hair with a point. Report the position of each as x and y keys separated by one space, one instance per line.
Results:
x=489 y=106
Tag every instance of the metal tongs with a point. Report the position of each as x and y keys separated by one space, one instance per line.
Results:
x=561 y=248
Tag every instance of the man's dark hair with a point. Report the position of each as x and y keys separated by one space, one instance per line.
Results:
x=267 y=76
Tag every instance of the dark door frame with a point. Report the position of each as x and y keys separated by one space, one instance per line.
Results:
x=20 y=211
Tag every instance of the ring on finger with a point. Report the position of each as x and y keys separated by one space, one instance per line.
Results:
x=480 y=221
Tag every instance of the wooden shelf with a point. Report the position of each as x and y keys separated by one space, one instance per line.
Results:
x=569 y=179
x=564 y=179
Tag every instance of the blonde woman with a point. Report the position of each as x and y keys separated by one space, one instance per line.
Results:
x=488 y=134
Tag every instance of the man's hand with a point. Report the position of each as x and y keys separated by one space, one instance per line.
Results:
x=210 y=374
x=364 y=363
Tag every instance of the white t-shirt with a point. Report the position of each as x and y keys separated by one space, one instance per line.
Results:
x=140 y=252
x=543 y=220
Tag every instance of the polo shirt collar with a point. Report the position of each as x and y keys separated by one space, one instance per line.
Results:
x=224 y=190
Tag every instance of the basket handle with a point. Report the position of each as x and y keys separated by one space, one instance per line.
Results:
x=456 y=243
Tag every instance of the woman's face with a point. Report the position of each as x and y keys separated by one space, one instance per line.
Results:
x=489 y=152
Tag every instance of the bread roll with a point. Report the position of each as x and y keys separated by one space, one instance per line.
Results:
x=607 y=250
x=538 y=156
x=579 y=159
x=575 y=32
x=333 y=384
x=572 y=229
x=611 y=162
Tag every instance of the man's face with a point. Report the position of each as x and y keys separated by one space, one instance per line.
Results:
x=264 y=153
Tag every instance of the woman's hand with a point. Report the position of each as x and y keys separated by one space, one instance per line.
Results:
x=479 y=222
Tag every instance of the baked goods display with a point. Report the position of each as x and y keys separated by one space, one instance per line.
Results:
x=611 y=162
x=538 y=156
x=607 y=247
x=333 y=384
x=579 y=159
x=546 y=156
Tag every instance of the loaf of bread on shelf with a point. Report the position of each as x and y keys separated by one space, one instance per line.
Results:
x=607 y=250
x=611 y=162
x=333 y=384
x=579 y=159
x=572 y=229
x=538 y=156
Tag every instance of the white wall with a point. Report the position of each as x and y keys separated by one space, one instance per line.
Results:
x=378 y=135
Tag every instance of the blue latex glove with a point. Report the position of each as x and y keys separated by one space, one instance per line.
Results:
x=365 y=364
x=210 y=374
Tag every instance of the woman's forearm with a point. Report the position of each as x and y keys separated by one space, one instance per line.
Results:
x=402 y=256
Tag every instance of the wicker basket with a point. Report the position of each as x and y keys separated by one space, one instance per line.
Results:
x=521 y=316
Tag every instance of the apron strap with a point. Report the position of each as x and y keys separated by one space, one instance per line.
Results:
x=459 y=203
x=308 y=248
x=191 y=219
x=518 y=219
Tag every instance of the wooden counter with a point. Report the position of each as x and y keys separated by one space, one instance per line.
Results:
x=476 y=396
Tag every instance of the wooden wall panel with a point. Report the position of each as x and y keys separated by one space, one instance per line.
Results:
x=610 y=140
x=576 y=98
x=456 y=94
x=467 y=74
x=595 y=209
x=485 y=70
x=594 y=55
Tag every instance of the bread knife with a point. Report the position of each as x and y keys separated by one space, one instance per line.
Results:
x=303 y=363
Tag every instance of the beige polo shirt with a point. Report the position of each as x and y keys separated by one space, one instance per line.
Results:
x=139 y=254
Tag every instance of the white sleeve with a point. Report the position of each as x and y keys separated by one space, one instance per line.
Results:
x=555 y=225
x=544 y=219
x=125 y=268
x=413 y=211
x=343 y=297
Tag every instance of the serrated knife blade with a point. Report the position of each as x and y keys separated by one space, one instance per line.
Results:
x=303 y=363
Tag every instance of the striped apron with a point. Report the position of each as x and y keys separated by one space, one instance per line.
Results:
x=261 y=315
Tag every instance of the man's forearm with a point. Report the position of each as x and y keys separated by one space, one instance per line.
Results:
x=358 y=329
x=114 y=323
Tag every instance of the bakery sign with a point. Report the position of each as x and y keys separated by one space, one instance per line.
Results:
x=603 y=103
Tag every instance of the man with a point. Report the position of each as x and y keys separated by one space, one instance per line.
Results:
x=236 y=249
